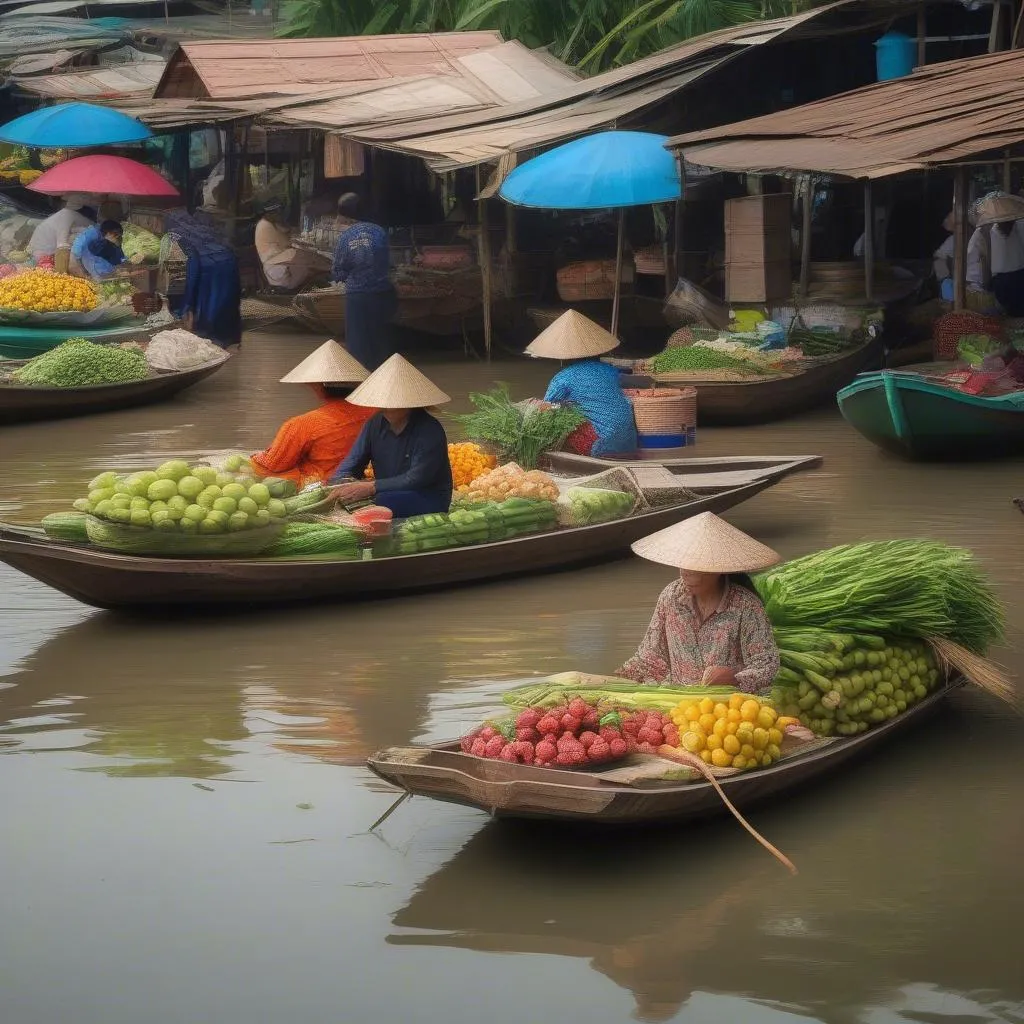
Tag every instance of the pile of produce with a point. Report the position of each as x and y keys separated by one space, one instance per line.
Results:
x=510 y=481
x=179 y=349
x=469 y=461
x=743 y=731
x=701 y=359
x=67 y=527
x=117 y=291
x=481 y=524
x=820 y=341
x=589 y=505
x=78 y=363
x=138 y=242
x=317 y=539
x=520 y=432
x=45 y=291
x=843 y=684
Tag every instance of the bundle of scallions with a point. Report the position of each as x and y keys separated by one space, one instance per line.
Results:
x=521 y=433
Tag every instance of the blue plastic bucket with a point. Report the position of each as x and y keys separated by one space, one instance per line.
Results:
x=894 y=56
x=661 y=440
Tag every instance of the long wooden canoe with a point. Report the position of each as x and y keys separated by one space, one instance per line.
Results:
x=520 y=791
x=906 y=413
x=109 y=580
x=22 y=403
x=18 y=342
x=731 y=403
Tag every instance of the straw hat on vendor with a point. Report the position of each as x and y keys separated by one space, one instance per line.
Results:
x=591 y=385
x=709 y=626
x=308 y=447
x=403 y=443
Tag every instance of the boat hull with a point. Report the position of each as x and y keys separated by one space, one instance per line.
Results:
x=108 y=580
x=26 y=404
x=915 y=418
x=518 y=791
x=28 y=342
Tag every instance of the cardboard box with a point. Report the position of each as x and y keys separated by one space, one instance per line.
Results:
x=758 y=282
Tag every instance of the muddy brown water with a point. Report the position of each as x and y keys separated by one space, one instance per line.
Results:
x=185 y=812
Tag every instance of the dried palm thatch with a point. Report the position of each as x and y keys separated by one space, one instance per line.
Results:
x=985 y=674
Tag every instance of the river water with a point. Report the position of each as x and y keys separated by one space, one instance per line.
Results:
x=185 y=813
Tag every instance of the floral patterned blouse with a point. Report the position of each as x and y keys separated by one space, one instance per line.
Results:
x=678 y=646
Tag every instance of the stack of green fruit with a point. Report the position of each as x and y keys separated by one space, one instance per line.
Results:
x=844 y=683
x=116 y=292
x=588 y=505
x=177 y=497
x=480 y=524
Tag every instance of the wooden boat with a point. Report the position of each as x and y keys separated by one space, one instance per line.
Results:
x=22 y=403
x=734 y=402
x=27 y=342
x=920 y=418
x=520 y=791
x=109 y=580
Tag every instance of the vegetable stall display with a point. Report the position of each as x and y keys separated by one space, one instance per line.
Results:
x=79 y=362
x=45 y=291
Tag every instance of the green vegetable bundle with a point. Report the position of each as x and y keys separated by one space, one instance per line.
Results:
x=140 y=242
x=907 y=588
x=589 y=505
x=317 y=539
x=697 y=358
x=624 y=693
x=78 y=363
x=521 y=434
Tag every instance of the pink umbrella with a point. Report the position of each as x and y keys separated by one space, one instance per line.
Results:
x=103 y=175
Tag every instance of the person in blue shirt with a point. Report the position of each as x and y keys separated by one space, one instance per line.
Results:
x=97 y=252
x=406 y=446
x=362 y=262
x=592 y=386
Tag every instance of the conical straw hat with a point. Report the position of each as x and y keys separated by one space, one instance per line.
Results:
x=997 y=209
x=397 y=384
x=706 y=543
x=329 y=364
x=572 y=336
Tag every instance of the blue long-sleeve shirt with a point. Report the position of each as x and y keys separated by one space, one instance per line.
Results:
x=414 y=460
x=594 y=387
x=98 y=255
x=362 y=259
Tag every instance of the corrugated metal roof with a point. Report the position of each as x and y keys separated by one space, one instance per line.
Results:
x=226 y=69
x=125 y=80
x=941 y=114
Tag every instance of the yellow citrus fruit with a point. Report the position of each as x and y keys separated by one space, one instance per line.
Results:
x=713 y=742
x=692 y=742
x=739 y=761
x=760 y=738
x=720 y=710
x=706 y=705
x=692 y=713
x=720 y=759
x=749 y=710
x=734 y=715
x=721 y=727
x=747 y=751
x=705 y=756
x=775 y=736
x=766 y=717
x=707 y=722
x=736 y=701
x=785 y=721
x=731 y=728
x=772 y=751
x=731 y=744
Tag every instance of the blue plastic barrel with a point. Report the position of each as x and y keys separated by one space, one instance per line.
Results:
x=894 y=56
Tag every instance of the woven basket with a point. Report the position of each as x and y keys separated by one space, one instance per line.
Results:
x=322 y=308
x=686 y=336
x=650 y=260
x=590 y=279
x=663 y=410
x=951 y=327
x=445 y=257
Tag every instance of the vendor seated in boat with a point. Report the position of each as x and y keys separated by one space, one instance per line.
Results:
x=284 y=266
x=406 y=446
x=995 y=252
x=308 y=447
x=587 y=383
x=709 y=626
x=97 y=252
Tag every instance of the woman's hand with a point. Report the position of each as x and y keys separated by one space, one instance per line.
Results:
x=717 y=675
x=355 y=491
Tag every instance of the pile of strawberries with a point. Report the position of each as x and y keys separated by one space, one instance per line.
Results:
x=576 y=734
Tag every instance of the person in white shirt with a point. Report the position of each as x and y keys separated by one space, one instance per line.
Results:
x=58 y=230
x=995 y=253
x=284 y=266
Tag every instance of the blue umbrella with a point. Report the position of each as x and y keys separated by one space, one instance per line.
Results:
x=74 y=126
x=603 y=171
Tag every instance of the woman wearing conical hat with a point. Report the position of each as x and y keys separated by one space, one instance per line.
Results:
x=406 y=446
x=307 y=448
x=709 y=627
x=587 y=383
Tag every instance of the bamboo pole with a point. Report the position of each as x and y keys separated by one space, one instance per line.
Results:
x=1007 y=176
x=922 y=36
x=805 y=239
x=619 y=246
x=484 y=249
x=869 y=242
x=960 y=238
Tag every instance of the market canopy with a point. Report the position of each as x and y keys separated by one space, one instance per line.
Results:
x=104 y=175
x=940 y=114
x=608 y=170
x=75 y=126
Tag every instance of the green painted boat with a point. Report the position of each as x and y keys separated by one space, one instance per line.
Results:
x=920 y=418
x=27 y=342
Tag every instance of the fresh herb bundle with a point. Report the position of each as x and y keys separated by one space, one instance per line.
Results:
x=520 y=433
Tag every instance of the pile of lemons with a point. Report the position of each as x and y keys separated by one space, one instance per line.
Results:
x=740 y=732
x=44 y=291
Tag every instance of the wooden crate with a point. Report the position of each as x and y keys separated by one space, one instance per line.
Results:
x=758 y=282
x=758 y=248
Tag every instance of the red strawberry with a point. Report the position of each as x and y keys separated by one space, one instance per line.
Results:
x=479 y=747
x=467 y=743
x=508 y=754
x=572 y=754
x=570 y=723
x=494 y=746
x=617 y=748
x=600 y=751
x=527 y=735
x=524 y=751
x=588 y=738
x=548 y=725
x=608 y=734
x=488 y=732
x=546 y=751
x=579 y=707
x=671 y=736
x=591 y=719
x=529 y=718
x=648 y=735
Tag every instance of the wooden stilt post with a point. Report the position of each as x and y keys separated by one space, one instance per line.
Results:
x=805 y=239
x=960 y=238
x=619 y=247
x=869 y=242
x=484 y=250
